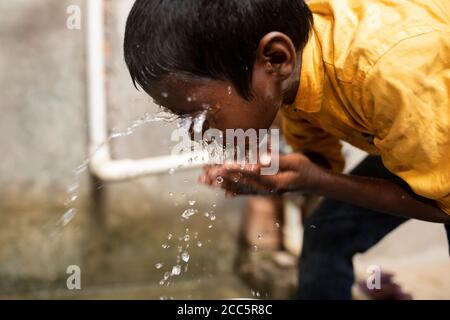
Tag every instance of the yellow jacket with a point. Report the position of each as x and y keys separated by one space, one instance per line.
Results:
x=376 y=73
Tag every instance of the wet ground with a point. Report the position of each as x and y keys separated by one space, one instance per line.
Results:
x=417 y=254
x=118 y=260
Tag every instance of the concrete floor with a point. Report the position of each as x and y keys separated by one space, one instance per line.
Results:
x=417 y=254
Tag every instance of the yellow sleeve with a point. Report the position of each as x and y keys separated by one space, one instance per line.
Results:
x=408 y=101
x=304 y=137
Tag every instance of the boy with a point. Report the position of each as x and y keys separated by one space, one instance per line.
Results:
x=375 y=73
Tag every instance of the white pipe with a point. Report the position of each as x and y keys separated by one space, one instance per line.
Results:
x=101 y=165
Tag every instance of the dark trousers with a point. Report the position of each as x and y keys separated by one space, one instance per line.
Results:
x=334 y=233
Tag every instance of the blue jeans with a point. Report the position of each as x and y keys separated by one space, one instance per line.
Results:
x=334 y=233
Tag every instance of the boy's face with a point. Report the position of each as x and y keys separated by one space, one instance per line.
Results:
x=275 y=78
x=224 y=107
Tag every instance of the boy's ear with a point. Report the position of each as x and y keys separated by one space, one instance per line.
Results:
x=277 y=55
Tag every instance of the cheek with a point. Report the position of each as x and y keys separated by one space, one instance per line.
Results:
x=265 y=109
x=232 y=117
x=264 y=87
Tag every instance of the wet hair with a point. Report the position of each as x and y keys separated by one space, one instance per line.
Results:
x=214 y=39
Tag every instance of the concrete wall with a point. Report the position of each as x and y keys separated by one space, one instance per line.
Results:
x=43 y=124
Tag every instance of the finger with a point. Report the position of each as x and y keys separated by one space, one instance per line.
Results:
x=247 y=185
x=202 y=179
x=230 y=194
x=209 y=173
x=251 y=170
x=239 y=189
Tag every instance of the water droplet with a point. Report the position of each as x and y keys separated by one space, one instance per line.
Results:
x=72 y=188
x=199 y=244
x=192 y=202
x=260 y=236
x=171 y=171
x=312 y=226
x=188 y=213
x=185 y=256
x=164 y=94
x=169 y=236
x=229 y=90
x=277 y=225
x=219 y=180
x=255 y=248
x=159 y=266
x=212 y=217
x=176 y=270
x=166 y=275
x=71 y=200
x=207 y=214
x=68 y=216
x=210 y=226
x=199 y=121
x=170 y=194
x=165 y=246
x=81 y=168
x=186 y=238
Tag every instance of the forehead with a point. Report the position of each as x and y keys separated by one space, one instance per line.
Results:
x=185 y=94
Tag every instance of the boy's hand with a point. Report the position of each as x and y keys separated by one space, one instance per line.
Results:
x=296 y=173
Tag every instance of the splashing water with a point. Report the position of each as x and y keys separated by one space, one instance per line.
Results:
x=185 y=123
x=176 y=270
x=188 y=213
x=68 y=216
x=72 y=191
x=199 y=122
x=185 y=256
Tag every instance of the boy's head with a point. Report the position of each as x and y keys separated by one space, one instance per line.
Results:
x=235 y=59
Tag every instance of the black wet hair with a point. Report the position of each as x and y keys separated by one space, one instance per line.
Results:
x=214 y=39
